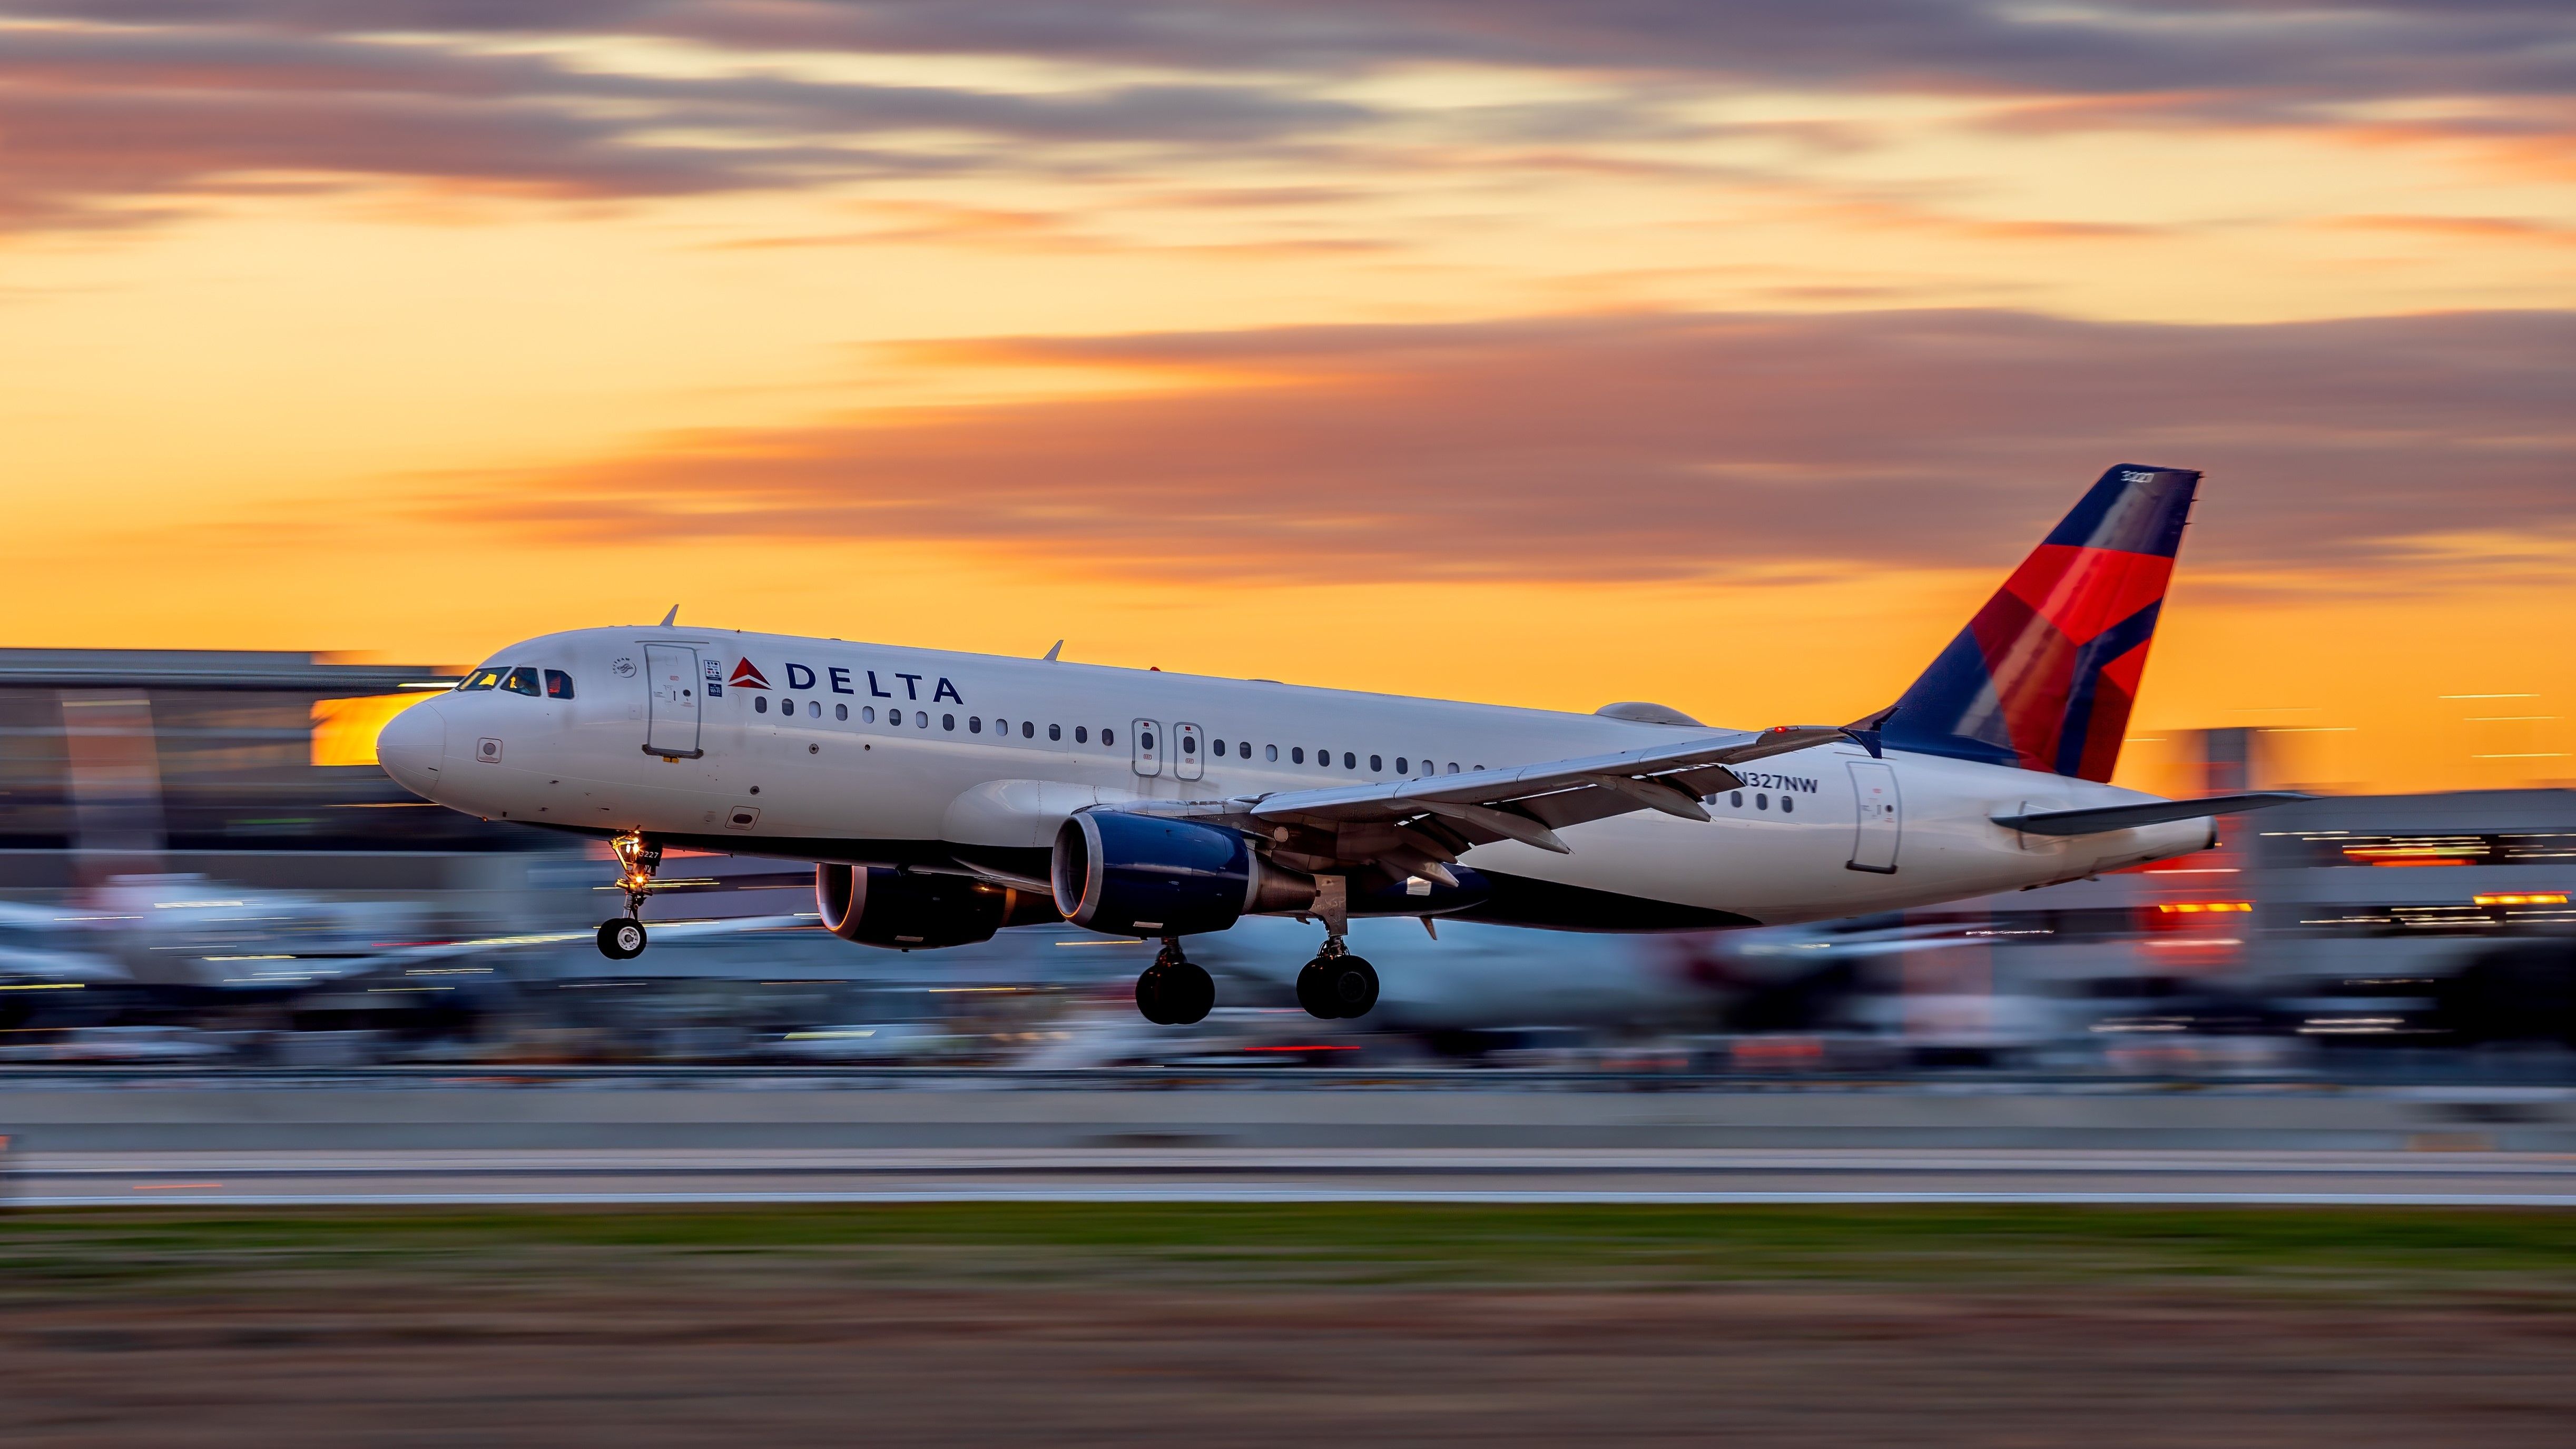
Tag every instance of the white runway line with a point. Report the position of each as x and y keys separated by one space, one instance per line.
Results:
x=1263 y=1193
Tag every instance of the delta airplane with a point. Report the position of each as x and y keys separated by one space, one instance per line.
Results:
x=944 y=796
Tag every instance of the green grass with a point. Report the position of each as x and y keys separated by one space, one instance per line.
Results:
x=2526 y=1254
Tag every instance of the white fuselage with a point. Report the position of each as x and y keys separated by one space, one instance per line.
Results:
x=890 y=753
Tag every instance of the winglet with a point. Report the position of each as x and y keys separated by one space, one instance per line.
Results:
x=1052 y=650
x=672 y=617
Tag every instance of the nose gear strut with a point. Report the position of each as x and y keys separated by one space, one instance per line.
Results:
x=623 y=939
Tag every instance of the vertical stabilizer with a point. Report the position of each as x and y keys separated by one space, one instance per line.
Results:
x=2044 y=676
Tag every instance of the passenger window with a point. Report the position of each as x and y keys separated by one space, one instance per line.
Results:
x=1324 y=758
x=1376 y=764
x=522 y=680
x=481 y=679
x=1350 y=761
x=974 y=724
x=1055 y=732
x=1787 y=804
x=760 y=704
x=1108 y=738
x=787 y=706
x=1270 y=752
x=1147 y=741
x=1081 y=734
x=1216 y=748
x=840 y=711
x=1028 y=731
x=948 y=722
x=1297 y=754
x=1736 y=799
x=813 y=709
x=558 y=684
x=1402 y=764
x=921 y=719
x=1243 y=749
x=1761 y=801
x=1453 y=767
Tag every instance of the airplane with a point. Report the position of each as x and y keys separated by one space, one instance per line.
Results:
x=943 y=796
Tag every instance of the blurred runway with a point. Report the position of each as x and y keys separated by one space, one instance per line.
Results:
x=499 y=1177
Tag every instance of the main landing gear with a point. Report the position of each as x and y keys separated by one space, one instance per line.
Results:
x=623 y=939
x=1172 y=991
x=1337 y=985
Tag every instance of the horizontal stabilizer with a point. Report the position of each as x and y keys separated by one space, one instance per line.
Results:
x=2151 y=812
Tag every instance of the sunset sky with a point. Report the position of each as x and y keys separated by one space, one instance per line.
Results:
x=1723 y=354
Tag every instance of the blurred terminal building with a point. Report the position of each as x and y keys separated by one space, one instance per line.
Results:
x=252 y=768
x=258 y=770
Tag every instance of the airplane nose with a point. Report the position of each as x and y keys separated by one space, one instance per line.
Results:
x=412 y=746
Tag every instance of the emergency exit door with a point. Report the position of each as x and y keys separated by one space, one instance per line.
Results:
x=1881 y=817
x=671 y=710
x=1146 y=738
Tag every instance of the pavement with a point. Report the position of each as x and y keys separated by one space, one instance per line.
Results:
x=432 y=1177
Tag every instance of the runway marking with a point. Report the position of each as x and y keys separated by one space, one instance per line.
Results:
x=1221 y=1192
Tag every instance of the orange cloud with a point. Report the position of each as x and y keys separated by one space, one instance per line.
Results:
x=1639 y=447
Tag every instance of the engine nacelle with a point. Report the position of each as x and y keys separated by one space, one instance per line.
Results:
x=1141 y=875
x=878 y=907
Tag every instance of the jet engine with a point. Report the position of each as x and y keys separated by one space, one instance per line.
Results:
x=878 y=907
x=1145 y=876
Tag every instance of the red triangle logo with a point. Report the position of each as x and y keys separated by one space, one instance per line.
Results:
x=747 y=675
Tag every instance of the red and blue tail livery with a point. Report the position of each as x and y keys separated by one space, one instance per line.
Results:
x=2045 y=674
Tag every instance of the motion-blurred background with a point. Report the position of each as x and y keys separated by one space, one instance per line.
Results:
x=200 y=863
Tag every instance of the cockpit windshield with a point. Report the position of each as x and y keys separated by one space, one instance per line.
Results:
x=558 y=684
x=522 y=680
x=480 y=679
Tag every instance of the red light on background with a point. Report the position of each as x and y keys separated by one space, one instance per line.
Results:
x=2194 y=908
x=2523 y=898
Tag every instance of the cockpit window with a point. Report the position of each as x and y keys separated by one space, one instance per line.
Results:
x=481 y=679
x=522 y=680
x=558 y=684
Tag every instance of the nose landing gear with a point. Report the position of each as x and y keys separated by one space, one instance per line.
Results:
x=1336 y=985
x=623 y=939
x=1173 y=991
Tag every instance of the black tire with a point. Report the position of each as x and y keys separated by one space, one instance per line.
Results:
x=1315 y=991
x=1153 y=994
x=622 y=939
x=1188 y=995
x=1353 y=985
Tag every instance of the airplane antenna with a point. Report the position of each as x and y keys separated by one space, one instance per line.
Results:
x=1052 y=651
x=671 y=617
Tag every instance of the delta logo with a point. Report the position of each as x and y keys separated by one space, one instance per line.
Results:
x=747 y=675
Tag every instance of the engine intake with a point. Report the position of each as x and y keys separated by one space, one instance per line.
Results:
x=875 y=906
x=1142 y=875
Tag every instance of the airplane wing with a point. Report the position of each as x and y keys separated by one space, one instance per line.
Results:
x=1420 y=827
x=2150 y=812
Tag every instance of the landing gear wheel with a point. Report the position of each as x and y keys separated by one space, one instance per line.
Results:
x=1337 y=988
x=621 y=939
x=1152 y=986
x=1174 y=992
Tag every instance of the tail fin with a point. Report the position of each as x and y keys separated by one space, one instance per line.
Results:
x=2043 y=677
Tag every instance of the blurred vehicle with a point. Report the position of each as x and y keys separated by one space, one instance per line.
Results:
x=136 y=1044
x=889 y=1041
